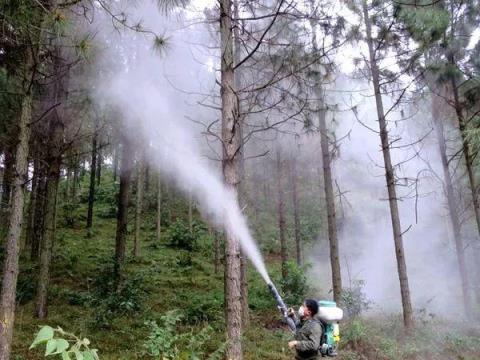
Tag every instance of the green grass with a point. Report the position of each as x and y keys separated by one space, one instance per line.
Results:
x=171 y=279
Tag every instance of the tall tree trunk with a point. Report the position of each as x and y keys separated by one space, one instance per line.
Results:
x=281 y=216
x=328 y=181
x=147 y=177
x=296 y=212
x=8 y=179
x=452 y=208
x=99 y=167
x=33 y=199
x=115 y=163
x=390 y=178
x=231 y=144
x=241 y=168
x=159 y=209
x=39 y=215
x=139 y=203
x=126 y=165
x=54 y=159
x=68 y=178
x=330 y=199
x=93 y=169
x=74 y=186
x=466 y=152
x=10 y=265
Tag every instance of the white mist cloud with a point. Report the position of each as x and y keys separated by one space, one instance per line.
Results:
x=144 y=89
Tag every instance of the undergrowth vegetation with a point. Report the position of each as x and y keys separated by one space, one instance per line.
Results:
x=169 y=304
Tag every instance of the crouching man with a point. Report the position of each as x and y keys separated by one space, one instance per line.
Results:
x=309 y=332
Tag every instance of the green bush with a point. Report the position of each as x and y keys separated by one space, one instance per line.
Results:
x=260 y=298
x=201 y=308
x=295 y=285
x=107 y=193
x=179 y=236
x=162 y=341
x=112 y=299
x=354 y=300
x=165 y=342
x=106 y=211
x=354 y=331
x=69 y=214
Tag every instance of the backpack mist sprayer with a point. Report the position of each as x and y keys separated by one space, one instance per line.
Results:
x=282 y=307
x=329 y=316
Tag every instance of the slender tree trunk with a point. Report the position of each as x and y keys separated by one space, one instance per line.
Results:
x=139 y=203
x=33 y=199
x=241 y=169
x=68 y=178
x=115 y=163
x=159 y=208
x=74 y=186
x=39 y=216
x=296 y=213
x=330 y=199
x=147 y=177
x=281 y=216
x=91 y=189
x=10 y=265
x=390 y=178
x=54 y=159
x=99 y=167
x=466 y=153
x=8 y=178
x=452 y=208
x=126 y=165
x=328 y=184
x=231 y=144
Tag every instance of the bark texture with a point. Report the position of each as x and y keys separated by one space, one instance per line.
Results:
x=126 y=165
x=54 y=159
x=10 y=266
x=231 y=144
x=330 y=200
x=390 y=177
x=281 y=214
x=93 y=169
x=452 y=206
x=139 y=203
x=296 y=212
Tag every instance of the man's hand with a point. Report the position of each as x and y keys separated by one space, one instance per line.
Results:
x=291 y=312
x=292 y=344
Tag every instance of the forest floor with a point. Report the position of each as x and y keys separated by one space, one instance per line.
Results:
x=163 y=279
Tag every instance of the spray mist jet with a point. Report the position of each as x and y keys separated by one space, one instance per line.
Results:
x=282 y=307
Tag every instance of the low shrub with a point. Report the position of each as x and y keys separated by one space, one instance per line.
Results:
x=354 y=299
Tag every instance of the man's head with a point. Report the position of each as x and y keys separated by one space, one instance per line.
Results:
x=308 y=309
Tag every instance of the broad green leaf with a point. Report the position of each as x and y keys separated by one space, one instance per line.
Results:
x=78 y=355
x=87 y=355
x=66 y=356
x=51 y=347
x=62 y=345
x=45 y=334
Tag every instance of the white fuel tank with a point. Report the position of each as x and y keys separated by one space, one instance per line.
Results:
x=330 y=314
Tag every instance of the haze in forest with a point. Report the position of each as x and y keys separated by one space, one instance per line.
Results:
x=364 y=218
x=158 y=101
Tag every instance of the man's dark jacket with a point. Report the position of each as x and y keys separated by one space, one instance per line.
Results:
x=308 y=335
